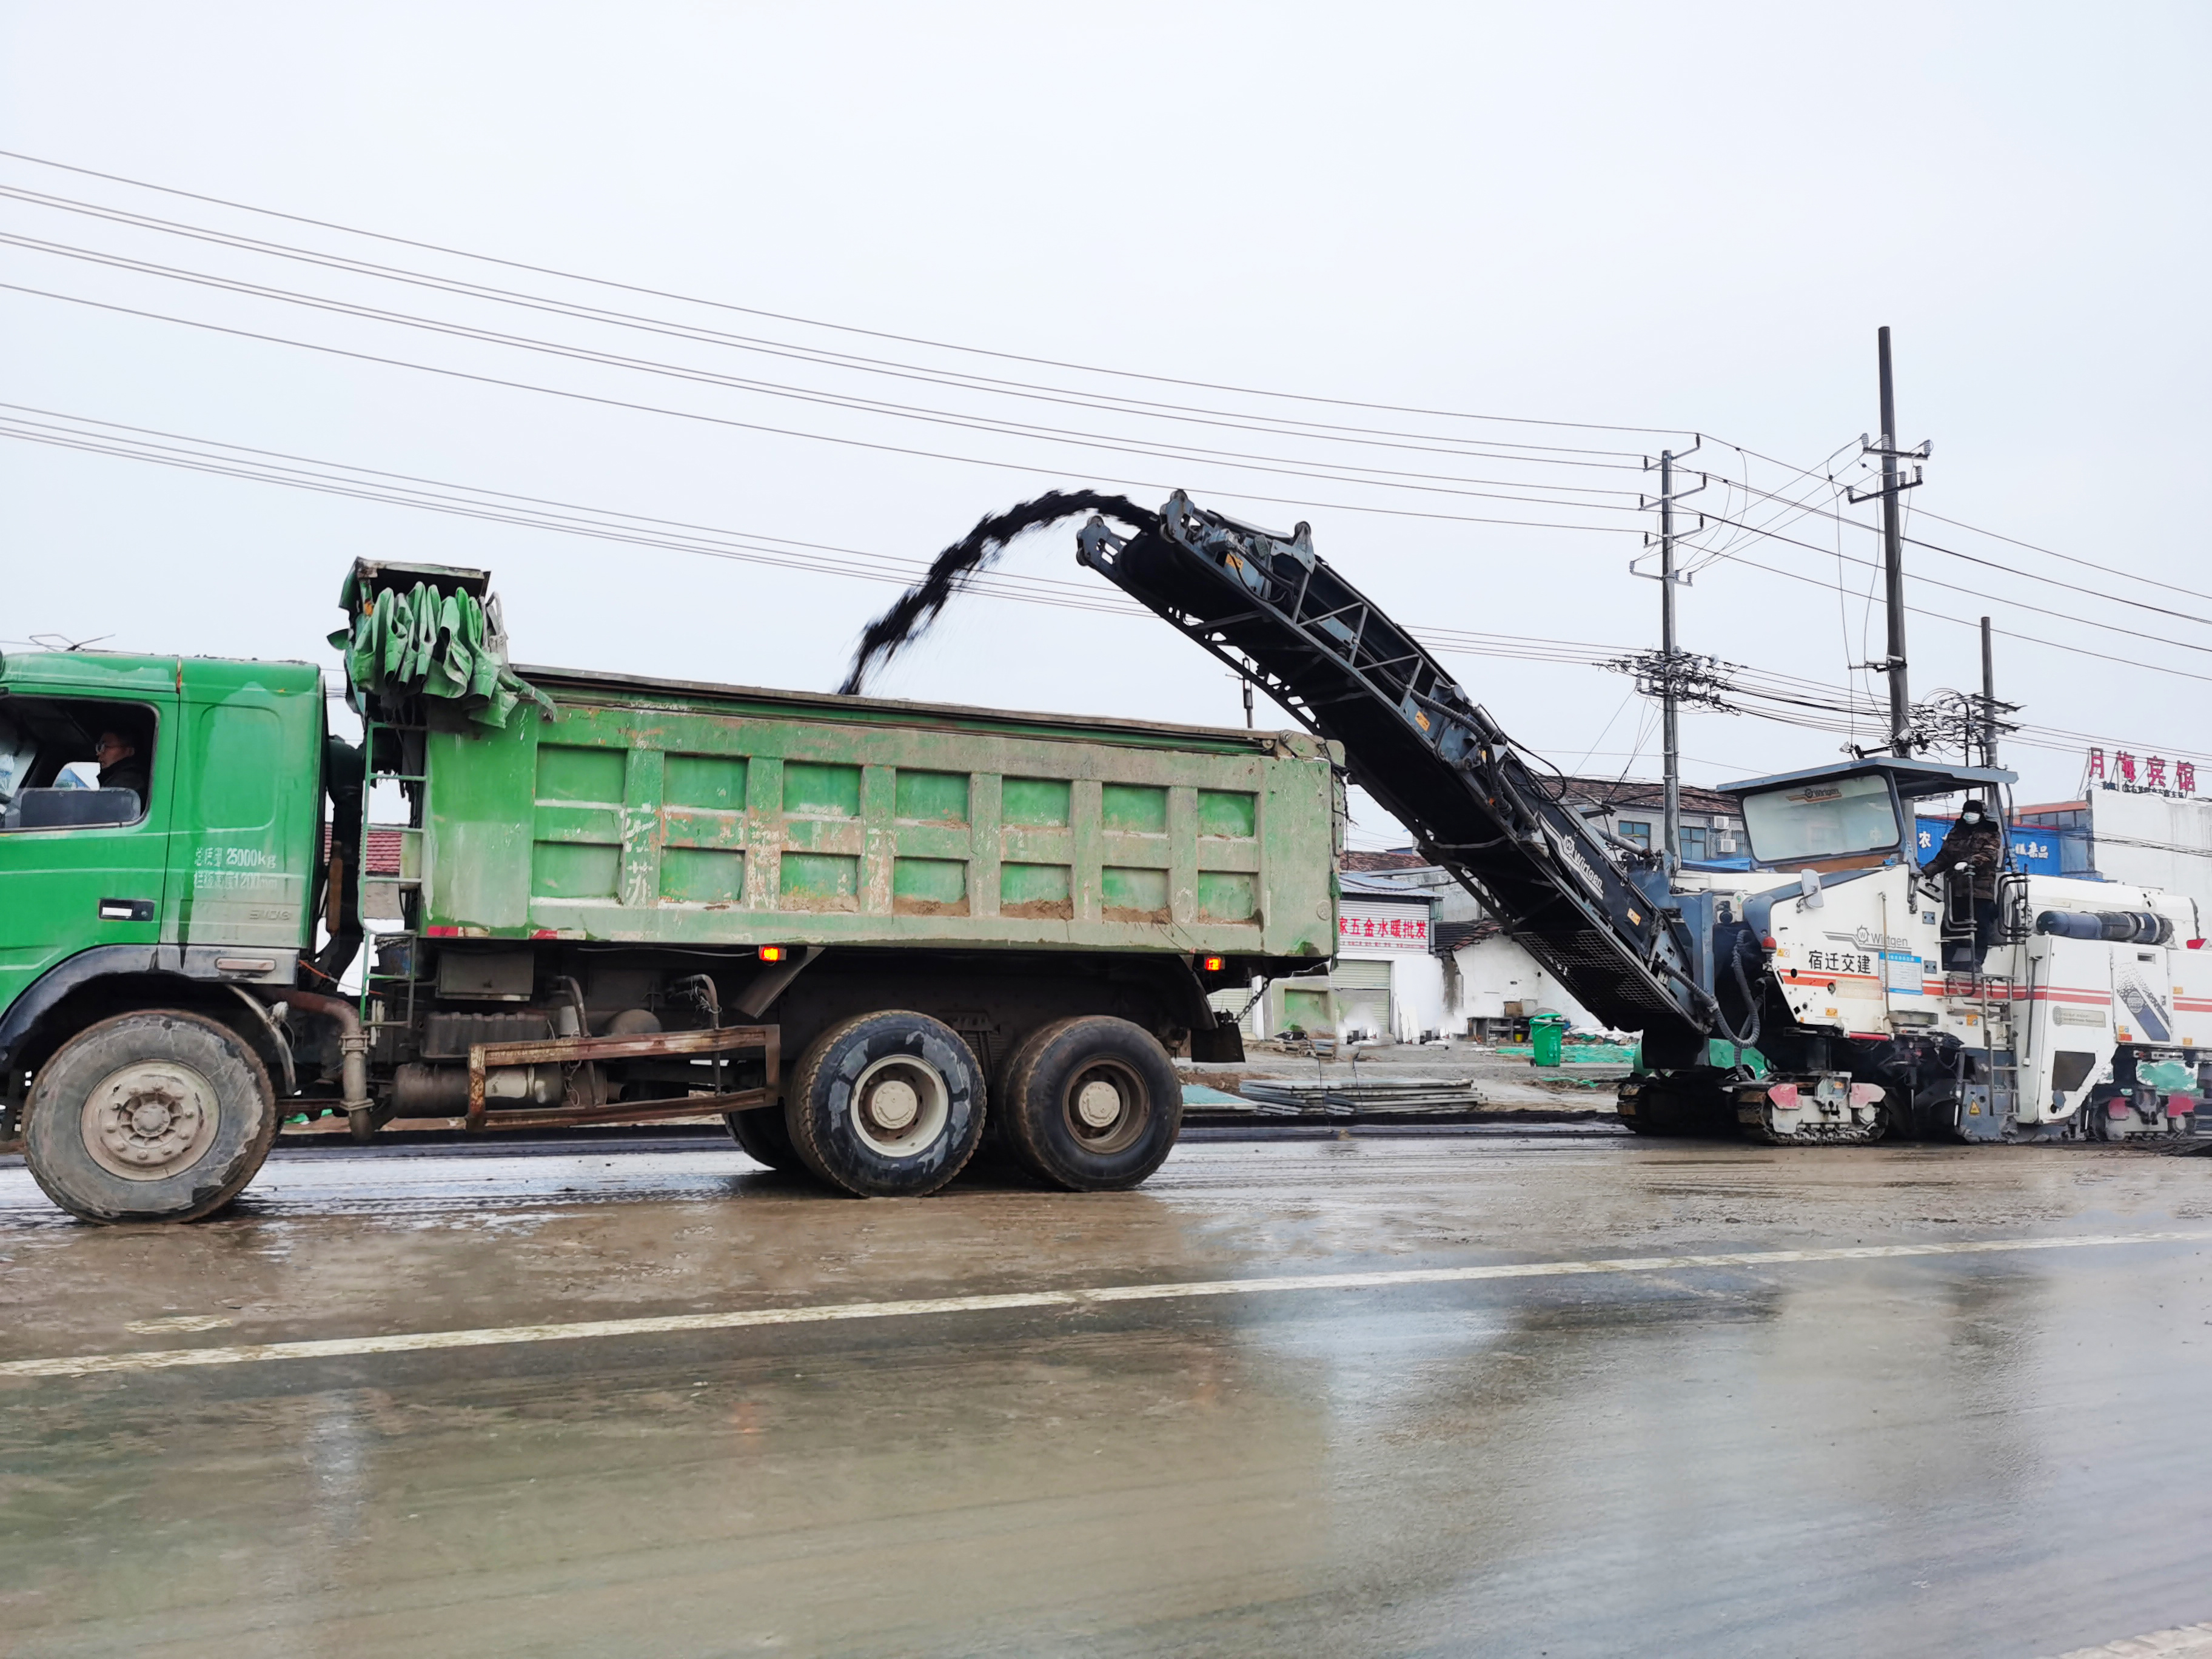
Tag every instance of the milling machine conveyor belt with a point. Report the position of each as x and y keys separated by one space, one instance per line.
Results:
x=1284 y=619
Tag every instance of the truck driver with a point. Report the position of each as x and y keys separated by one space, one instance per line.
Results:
x=120 y=767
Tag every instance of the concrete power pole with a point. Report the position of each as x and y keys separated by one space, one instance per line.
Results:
x=1892 y=564
x=1893 y=548
x=1668 y=673
x=1670 y=703
x=1989 y=699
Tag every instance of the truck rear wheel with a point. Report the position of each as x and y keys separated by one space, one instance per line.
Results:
x=887 y=1105
x=161 y=1115
x=762 y=1135
x=1092 y=1105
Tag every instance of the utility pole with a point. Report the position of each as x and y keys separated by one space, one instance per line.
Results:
x=1989 y=699
x=1669 y=673
x=1245 y=686
x=1893 y=548
x=1669 y=705
x=1892 y=563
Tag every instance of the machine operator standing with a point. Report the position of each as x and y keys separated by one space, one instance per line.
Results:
x=1976 y=846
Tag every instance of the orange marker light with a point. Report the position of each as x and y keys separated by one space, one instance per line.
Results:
x=771 y=953
x=1213 y=964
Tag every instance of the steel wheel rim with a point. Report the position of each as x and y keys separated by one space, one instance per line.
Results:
x=1106 y=1105
x=900 y=1106
x=150 y=1120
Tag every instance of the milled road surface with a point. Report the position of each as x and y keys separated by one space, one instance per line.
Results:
x=1514 y=1419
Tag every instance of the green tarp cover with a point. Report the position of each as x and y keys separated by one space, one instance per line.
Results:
x=427 y=642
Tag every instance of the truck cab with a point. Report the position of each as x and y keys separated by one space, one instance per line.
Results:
x=190 y=879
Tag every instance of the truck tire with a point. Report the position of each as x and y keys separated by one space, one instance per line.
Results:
x=1092 y=1105
x=886 y=1105
x=762 y=1137
x=160 y=1115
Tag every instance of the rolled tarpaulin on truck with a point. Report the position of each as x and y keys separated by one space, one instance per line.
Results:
x=430 y=641
x=2119 y=926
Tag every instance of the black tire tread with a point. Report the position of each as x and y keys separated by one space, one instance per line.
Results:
x=762 y=1136
x=1029 y=1124
x=800 y=1123
x=119 y=1030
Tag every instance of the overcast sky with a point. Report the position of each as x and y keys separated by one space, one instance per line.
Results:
x=1686 y=220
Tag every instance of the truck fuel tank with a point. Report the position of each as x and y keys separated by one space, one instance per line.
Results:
x=420 y=1090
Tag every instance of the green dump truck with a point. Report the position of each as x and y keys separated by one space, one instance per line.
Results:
x=869 y=934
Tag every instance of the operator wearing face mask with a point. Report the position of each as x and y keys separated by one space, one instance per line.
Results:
x=1976 y=841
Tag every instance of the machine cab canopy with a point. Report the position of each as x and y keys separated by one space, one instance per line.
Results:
x=1848 y=817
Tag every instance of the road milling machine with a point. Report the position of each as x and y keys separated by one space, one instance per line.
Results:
x=1834 y=993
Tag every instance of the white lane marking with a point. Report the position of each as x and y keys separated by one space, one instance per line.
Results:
x=345 y=1348
x=2185 y=1643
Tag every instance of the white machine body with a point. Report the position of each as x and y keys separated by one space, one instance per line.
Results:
x=2101 y=1035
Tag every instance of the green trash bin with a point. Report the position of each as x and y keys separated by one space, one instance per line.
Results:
x=1546 y=1033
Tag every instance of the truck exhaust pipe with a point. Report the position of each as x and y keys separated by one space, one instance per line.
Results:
x=353 y=1056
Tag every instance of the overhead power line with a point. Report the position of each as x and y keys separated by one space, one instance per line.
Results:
x=1150 y=484
x=1961 y=622
x=1342 y=472
x=2102 y=568
x=1238 y=460
x=842 y=328
x=612 y=285
x=1737 y=528
x=1279 y=425
x=1002 y=430
x=1766 y=693
x=1981 y=594
x=788 y=432
x=1801 y=509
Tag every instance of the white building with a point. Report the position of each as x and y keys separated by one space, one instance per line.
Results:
x=1388 y=979
x=1386 y=983
x=1491 y=983
x=1487 y=984
x=1416 y=958
x=2149 y=837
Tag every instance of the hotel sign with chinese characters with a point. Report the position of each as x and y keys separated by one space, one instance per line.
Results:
x=1364 y=928
x=2149 y=774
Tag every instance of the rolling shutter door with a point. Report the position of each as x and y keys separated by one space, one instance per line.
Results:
x=1363 y=996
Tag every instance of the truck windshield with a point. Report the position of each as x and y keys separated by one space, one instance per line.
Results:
x=1832 y=818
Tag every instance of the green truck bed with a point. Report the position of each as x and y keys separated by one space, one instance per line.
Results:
x=665 y=812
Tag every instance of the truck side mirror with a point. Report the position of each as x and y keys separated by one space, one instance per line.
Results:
x=1809 y=888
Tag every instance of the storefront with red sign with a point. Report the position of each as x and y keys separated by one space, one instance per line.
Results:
x=1387 y=981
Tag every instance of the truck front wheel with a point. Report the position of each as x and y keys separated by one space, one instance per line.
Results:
x=887 y=1105
x=161 y=1115
x=1092 y=1105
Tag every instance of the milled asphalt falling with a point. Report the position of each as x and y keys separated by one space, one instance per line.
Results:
x=2001 y=1452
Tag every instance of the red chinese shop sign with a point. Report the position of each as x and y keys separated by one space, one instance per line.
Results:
x=1381 y=928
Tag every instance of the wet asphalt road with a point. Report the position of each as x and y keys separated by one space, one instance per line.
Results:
x=2007 y=1453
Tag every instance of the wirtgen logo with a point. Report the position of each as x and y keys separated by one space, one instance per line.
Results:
x=1574 y=858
